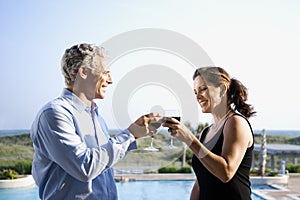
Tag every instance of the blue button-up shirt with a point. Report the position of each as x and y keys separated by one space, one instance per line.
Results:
x=73 y=153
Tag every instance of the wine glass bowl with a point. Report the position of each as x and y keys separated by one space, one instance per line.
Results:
x=175 y=117
x=155 y=125
x=173 y=113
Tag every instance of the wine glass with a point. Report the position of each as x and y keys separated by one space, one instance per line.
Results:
x=174 y=113
x=151 y=147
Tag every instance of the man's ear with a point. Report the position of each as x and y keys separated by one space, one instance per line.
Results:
x=82 y=72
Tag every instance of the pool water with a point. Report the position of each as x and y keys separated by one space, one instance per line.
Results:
x=26 y=193
x=133 y=190
x=155 y=190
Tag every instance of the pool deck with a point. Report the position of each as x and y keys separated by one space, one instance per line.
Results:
x=284 y=192
x=153 y=177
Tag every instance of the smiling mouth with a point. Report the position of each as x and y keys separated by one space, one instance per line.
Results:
x=103 y=88
x=202 y=103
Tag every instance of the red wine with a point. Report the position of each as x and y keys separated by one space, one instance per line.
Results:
x=177 y=118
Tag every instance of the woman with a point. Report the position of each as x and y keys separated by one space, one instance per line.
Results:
x=223 y=154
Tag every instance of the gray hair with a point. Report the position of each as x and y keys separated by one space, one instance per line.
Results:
x=79 y=55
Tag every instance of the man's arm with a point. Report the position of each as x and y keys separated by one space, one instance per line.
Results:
x=57 y=138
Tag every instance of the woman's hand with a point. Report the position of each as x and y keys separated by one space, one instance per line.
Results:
x=179 y=130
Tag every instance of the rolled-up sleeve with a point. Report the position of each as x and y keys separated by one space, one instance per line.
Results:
x=122 y=143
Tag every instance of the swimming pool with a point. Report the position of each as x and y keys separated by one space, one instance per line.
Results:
x=133 y=190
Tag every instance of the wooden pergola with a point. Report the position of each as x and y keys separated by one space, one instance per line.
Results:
x=281 y=150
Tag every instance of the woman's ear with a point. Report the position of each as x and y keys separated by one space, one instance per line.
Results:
x=82 y=72
x=223 y=90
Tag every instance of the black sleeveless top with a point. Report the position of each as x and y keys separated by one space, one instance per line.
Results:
x=211 y=187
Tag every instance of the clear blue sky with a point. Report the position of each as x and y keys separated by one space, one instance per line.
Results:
x=258 y=42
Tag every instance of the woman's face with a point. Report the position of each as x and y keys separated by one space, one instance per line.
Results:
x=208 y=96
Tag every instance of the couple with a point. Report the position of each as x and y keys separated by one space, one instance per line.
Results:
x=74 y=155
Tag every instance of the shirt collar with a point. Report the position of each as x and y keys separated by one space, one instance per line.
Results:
x=95 y=107
x=75 y=101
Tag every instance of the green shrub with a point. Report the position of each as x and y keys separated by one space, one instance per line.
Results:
x=293 y=168
x=267 y=170
x=174 y=169
x=185 y=169
x=8 y=174
x=168 y=169
x=23 y=167
x=271 y=173
x=147 y=171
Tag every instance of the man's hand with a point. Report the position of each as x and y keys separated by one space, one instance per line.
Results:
x=145 y=125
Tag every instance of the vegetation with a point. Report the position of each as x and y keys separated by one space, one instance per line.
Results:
x=295 y=141
x=268 y=172
x=188 y=158
x=293 y=168
x=8 y=174
x=174 y=169
x=16 y=154
x=271 y=139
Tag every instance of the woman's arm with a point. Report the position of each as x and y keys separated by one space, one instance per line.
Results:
x=195 y=191
x=237 y=138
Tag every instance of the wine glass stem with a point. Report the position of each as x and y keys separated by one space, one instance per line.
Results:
x=151 y=144
x=171 y=143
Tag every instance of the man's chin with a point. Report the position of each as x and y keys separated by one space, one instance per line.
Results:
x=99 y=96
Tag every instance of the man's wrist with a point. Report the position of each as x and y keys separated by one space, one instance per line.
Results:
x=131 y=134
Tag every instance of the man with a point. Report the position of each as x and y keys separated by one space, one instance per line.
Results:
x=73 y=152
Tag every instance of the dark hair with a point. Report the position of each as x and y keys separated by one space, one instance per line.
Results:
x=237 y=93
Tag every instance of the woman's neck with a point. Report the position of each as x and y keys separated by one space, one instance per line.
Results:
x=220 y=117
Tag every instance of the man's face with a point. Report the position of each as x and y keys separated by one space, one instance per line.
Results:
x=104 y=80
x=96 y=81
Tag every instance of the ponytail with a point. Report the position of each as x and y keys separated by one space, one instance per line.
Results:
x=237 y=94
x=237 y=97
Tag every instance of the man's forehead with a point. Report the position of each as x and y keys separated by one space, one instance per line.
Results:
x=106 y=68
x=105 y=64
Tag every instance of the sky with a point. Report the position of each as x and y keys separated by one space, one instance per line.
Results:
x=257 y=42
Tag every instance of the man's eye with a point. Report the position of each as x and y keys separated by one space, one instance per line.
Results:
x=202 y=89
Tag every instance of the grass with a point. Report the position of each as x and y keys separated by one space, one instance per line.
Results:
x=18 y=148
x=150 y=161
x=15 y=148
